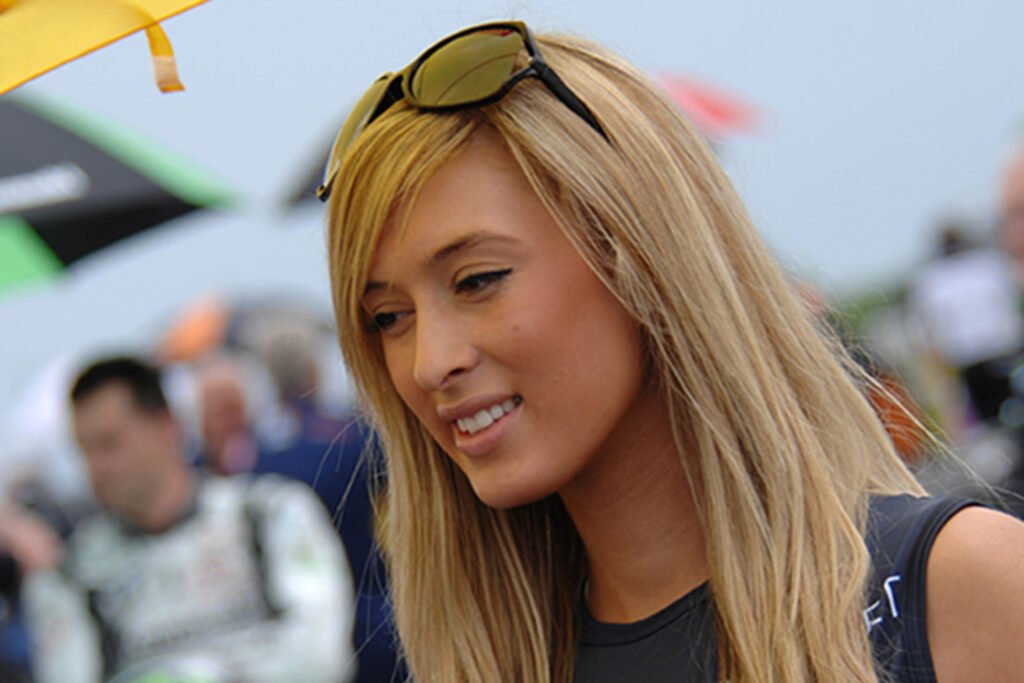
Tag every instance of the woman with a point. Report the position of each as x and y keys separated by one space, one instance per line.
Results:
x=614 y=437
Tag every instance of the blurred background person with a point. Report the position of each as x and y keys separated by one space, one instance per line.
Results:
x=229 y=445
x=964 y=317
x=268 y=393
x=965 y=307
x=179 y=576
x=298 y=437
x=335 y=454
x=27 y=544
x=1011 y=209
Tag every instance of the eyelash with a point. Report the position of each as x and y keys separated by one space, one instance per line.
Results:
x=375 y=324
x=478 y=281
x=469 y=285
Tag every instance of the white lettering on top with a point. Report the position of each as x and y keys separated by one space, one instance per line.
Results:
x=53 y=184
x=872 y=618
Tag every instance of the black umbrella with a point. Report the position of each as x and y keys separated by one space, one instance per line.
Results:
x=70 y=185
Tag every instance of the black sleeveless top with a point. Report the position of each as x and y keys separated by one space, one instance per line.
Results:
x=678 y=643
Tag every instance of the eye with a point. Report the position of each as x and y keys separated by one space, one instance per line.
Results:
x=384 y=321
x=479 y=281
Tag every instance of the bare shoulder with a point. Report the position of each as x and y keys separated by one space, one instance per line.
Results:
x=975 y=603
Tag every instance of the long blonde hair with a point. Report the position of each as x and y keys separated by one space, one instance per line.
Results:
x=782 y=448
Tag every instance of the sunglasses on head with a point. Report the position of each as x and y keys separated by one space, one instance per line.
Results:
x=470 y=68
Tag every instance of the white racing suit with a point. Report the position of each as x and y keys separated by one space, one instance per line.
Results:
x=251 y=586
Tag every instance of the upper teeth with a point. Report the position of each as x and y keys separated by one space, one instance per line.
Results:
x=486 y=417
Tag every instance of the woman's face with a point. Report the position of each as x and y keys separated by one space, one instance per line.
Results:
x=516 y=358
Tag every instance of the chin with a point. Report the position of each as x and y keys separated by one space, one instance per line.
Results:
x=504 y=495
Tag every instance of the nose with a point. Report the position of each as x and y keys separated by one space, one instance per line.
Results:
x=444 y=350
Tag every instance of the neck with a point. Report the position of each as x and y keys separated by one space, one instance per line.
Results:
x=165 y=504
x=636 y=515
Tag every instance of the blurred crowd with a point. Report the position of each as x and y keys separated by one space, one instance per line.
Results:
x=951 y=341
x=226 y=529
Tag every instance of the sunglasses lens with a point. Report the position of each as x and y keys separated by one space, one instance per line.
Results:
x=353 y=125
x=466 y=69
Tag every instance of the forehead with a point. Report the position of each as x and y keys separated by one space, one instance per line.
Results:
x=1013 y=180
x=107 y=404
x=220 y=385
x=480 y=190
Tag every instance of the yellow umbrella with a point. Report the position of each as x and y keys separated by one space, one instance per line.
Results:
x=39 y=35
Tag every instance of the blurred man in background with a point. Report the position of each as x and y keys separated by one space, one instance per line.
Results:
x=184 y=578
x=1011 y=211
x=27 y=544
x=1011 y=198
x=965 y=304
x=229 y=444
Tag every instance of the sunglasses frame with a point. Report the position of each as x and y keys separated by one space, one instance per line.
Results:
x=396 y=88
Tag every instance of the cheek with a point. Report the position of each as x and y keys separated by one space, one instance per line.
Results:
x=102 y=465
x=399 y=372
x=399 y=366
x=1013 y=230
x=585 y=330
x=605 y=351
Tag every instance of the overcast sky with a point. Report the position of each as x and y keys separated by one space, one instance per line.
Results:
x=876 y=118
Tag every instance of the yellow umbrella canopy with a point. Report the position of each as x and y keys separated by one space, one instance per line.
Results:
x=39 y=35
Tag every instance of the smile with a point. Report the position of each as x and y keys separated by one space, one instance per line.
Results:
x=487 y=416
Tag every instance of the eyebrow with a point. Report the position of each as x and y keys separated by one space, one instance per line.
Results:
x=457 y=245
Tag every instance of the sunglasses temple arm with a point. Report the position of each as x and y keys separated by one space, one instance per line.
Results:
x=568 y=97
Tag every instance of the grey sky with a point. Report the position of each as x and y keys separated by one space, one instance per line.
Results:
x=877 y=118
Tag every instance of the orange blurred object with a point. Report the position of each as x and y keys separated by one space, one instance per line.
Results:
x=900 y=416
x=201 y=329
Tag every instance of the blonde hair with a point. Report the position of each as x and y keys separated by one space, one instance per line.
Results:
x=782 y=448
